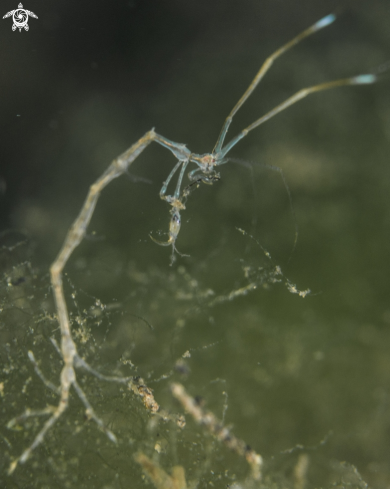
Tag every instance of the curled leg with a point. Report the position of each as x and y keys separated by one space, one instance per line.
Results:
x=174 y=228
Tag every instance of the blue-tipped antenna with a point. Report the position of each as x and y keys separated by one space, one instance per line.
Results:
x=325 y=21
x=365 y=79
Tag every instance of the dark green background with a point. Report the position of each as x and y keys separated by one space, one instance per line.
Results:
x=83 y=84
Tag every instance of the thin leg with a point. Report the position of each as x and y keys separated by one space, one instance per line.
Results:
x=79 y=362
x=180 y=151
x=176 y=195
x=90 y=412
x=38 y=371
x=73 y=238
x=208 y=420
x=357 y=80
x=55 y=344
x=166 y=183
x=46 y=427
x=30 y=413
x=263 y=70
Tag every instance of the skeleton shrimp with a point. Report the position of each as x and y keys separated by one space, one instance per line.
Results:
x=204 y=173
x=206 y=163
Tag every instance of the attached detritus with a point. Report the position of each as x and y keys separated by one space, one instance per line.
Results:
x=216 y=427
x=204 y=173
x=138 y=386
x=207 y=163
x=68 y=349
x=159 y=477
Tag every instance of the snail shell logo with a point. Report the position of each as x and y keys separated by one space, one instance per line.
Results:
x=20 y=18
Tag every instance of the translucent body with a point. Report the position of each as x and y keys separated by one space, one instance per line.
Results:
x=205 y=172
x=207 y=163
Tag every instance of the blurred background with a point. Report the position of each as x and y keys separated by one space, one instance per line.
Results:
x=81 y=86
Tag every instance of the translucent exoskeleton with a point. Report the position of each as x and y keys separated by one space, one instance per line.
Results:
x=207 y=163
x=205 y=172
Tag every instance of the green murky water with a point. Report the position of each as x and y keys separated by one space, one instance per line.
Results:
x=301 y=380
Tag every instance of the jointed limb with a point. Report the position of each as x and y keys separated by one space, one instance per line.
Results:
x=205 y=172
x=68 y=347
x=356 y=80
x=209 y=421
x=263 y=70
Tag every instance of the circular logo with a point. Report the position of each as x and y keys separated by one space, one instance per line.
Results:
x=20 y=19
